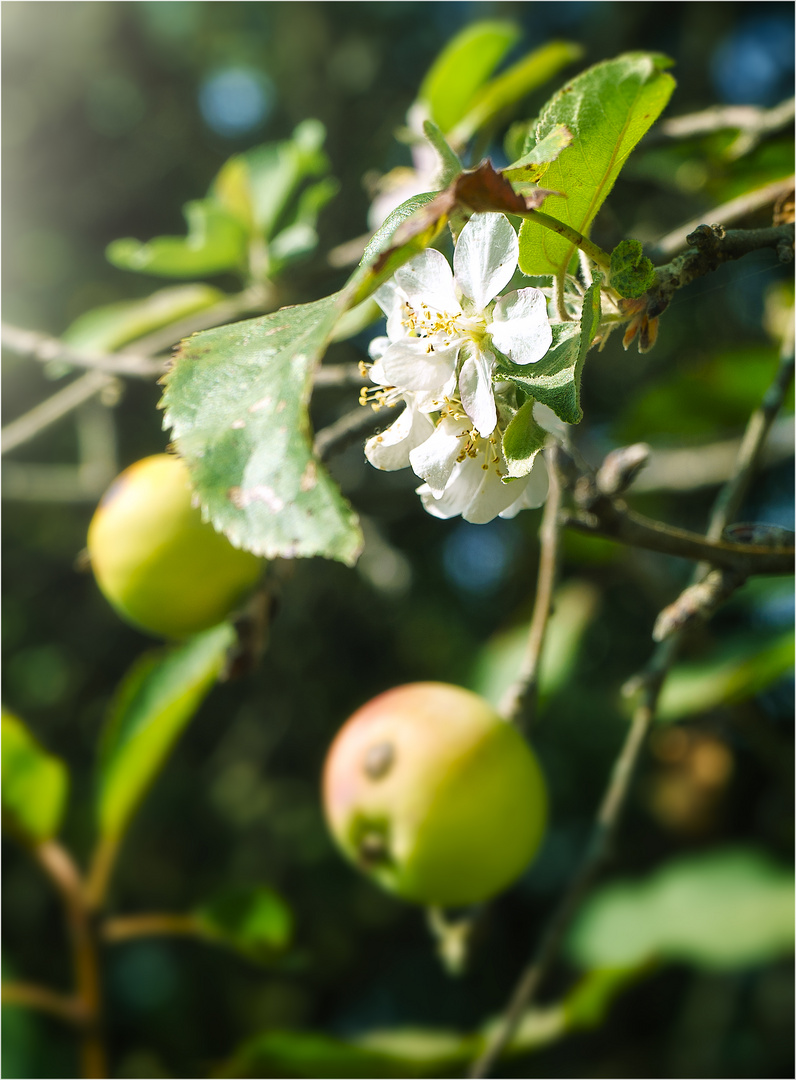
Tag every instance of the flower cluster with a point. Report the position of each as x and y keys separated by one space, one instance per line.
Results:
x=444 y=330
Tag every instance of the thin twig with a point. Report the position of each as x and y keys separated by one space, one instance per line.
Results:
x=709 y=464
x=98 y=879
x=615 y=797
x=352 y=425
x=139 y=362
x=712 y=246
x=138 y=359
x=746 y=118
x=252 y=301
x=610 y=518
x=697 y=602
x=57 y=864
x=42 y=999
x=338 y=375
x=607 y=823
x=156 y=924
x=47 y=412
x=32 y=345
x=726 y=214
x=520 y=703
x=53 y=483
x=760 y=423
x=81 y=482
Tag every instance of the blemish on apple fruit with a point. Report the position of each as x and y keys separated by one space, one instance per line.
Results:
x=378 y=760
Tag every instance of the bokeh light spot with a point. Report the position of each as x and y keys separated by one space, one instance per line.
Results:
x=477 y=558
x=755 y=64
x=236 y=100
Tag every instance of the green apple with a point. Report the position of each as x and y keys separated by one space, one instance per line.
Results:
x=434 y=796
x=160 y=566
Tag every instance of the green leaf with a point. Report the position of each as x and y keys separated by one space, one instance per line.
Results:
x=506 y=89
x=462 y=68
x=381 y=259
x=254 y=921
x=415 y=1051
x=310 y=1054
x=632 y=273
x=154 y=702
x=607 y=108
x=735 y=671
x=236 y=401
x=722 y=909
x=424 y=1050
x=257 y=187
x=216 y=242
x=35 y=784
x=555 y=379
x=587 y=1004
x=450 y=165
x=522 y=441
x=531 y=166
x=106 y=328
x=300 y=237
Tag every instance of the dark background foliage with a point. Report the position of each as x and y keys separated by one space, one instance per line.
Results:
x=114 y=115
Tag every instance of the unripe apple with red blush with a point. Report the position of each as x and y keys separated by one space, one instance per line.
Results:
x=158 y=564
x=433 y=795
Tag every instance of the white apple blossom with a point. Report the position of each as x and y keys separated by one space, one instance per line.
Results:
x=467 y=474
x=444 y=327
x=390 y=449
x=444 y=330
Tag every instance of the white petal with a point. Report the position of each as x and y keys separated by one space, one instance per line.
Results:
x=392 y=302
x=409 y=365
x=534 y=491
x=457 y=495
x=427 y=279
x=488 y=499
x=521 y=329
x=438 y=508
x=377 y=349
x=435 y=459
x=428 y=401
x=485 y=257
x=475 y=390
x=390 y=450
x=472 y=491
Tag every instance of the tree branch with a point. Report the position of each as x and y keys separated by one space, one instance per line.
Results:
x=711 y=246
x=339 y=375
x=42 y=999
x=726 y=214
x=611 y=519
x=58 y=865
x=520 y=703
x=709 y=464
x=352 y=425
x=760 y=423
x=32 y=345
x=747 y=118
x=606 y=826
x=157 y=924
x=102 y=367
x=649 y=683
x=47 y=412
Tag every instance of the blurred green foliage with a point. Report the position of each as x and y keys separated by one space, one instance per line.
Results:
x=114 y=119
